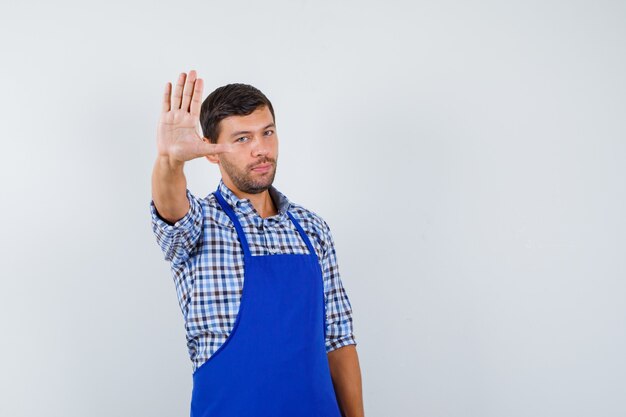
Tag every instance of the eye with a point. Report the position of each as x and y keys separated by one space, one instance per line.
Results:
x=269 y=132
x=241 y=139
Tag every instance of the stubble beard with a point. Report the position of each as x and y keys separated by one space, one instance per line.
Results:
x=242 y=179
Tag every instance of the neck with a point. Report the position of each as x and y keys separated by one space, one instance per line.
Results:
x=262 y=202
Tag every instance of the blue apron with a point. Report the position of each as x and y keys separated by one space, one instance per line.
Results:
x=274 y=361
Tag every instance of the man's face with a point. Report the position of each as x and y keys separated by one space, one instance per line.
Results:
x=251 y=166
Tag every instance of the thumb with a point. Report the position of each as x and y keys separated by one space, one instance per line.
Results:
x=208 y=148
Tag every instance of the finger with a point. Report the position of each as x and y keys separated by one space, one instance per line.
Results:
x=206 y=148
x=196 y=100
x=191 y=79
x=178 y=92
x=166 y=98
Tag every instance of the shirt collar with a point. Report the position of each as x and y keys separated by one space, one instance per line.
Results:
x=244 y=206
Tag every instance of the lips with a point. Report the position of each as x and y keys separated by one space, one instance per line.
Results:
x=262 y=167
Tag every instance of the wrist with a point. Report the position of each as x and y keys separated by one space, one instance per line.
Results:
x=170 y=163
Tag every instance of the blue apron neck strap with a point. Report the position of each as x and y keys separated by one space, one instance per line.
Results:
x=233 y=217
x=242 y=236
x=303 y=234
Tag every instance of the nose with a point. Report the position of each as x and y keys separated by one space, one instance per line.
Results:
x=260 y=147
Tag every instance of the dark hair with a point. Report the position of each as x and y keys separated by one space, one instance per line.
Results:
x=230 y=100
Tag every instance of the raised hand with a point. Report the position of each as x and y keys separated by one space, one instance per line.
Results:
x=177 y=134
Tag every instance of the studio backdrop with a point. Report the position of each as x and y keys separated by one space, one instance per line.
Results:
x=469 y=158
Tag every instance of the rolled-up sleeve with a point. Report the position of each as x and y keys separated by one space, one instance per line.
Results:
x=339 y=331
x=178 y=240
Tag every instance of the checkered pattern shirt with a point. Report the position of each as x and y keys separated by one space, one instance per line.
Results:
x=208 y=266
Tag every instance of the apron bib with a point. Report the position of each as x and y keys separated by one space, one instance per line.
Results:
x=274 y=361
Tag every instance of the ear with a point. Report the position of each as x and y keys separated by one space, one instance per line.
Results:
x=215 y=159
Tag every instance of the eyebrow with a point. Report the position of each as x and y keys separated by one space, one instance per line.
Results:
x=245 y=132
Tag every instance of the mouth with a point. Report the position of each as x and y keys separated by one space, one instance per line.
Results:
x=262 y=168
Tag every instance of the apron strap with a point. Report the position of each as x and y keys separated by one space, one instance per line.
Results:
x=233 y=217
x=303 y=235
x=242 y=236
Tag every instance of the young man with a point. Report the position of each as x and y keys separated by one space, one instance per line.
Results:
x=268 y=323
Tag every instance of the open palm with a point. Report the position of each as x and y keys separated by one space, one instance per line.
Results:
x=177 y=134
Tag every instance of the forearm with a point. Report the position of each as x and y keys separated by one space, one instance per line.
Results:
x=169 y=189
x=346 y=376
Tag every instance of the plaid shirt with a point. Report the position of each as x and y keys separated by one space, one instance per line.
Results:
x=208 y=268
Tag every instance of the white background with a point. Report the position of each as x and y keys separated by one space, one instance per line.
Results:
x=468 y=156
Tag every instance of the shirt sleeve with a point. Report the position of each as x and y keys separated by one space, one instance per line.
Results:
x=339 y=331
x=178 y=240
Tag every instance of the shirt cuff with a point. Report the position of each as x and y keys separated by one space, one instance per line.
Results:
x=184 y=223
x=337 y=343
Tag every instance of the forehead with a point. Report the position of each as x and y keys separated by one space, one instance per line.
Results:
x=257 y=120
